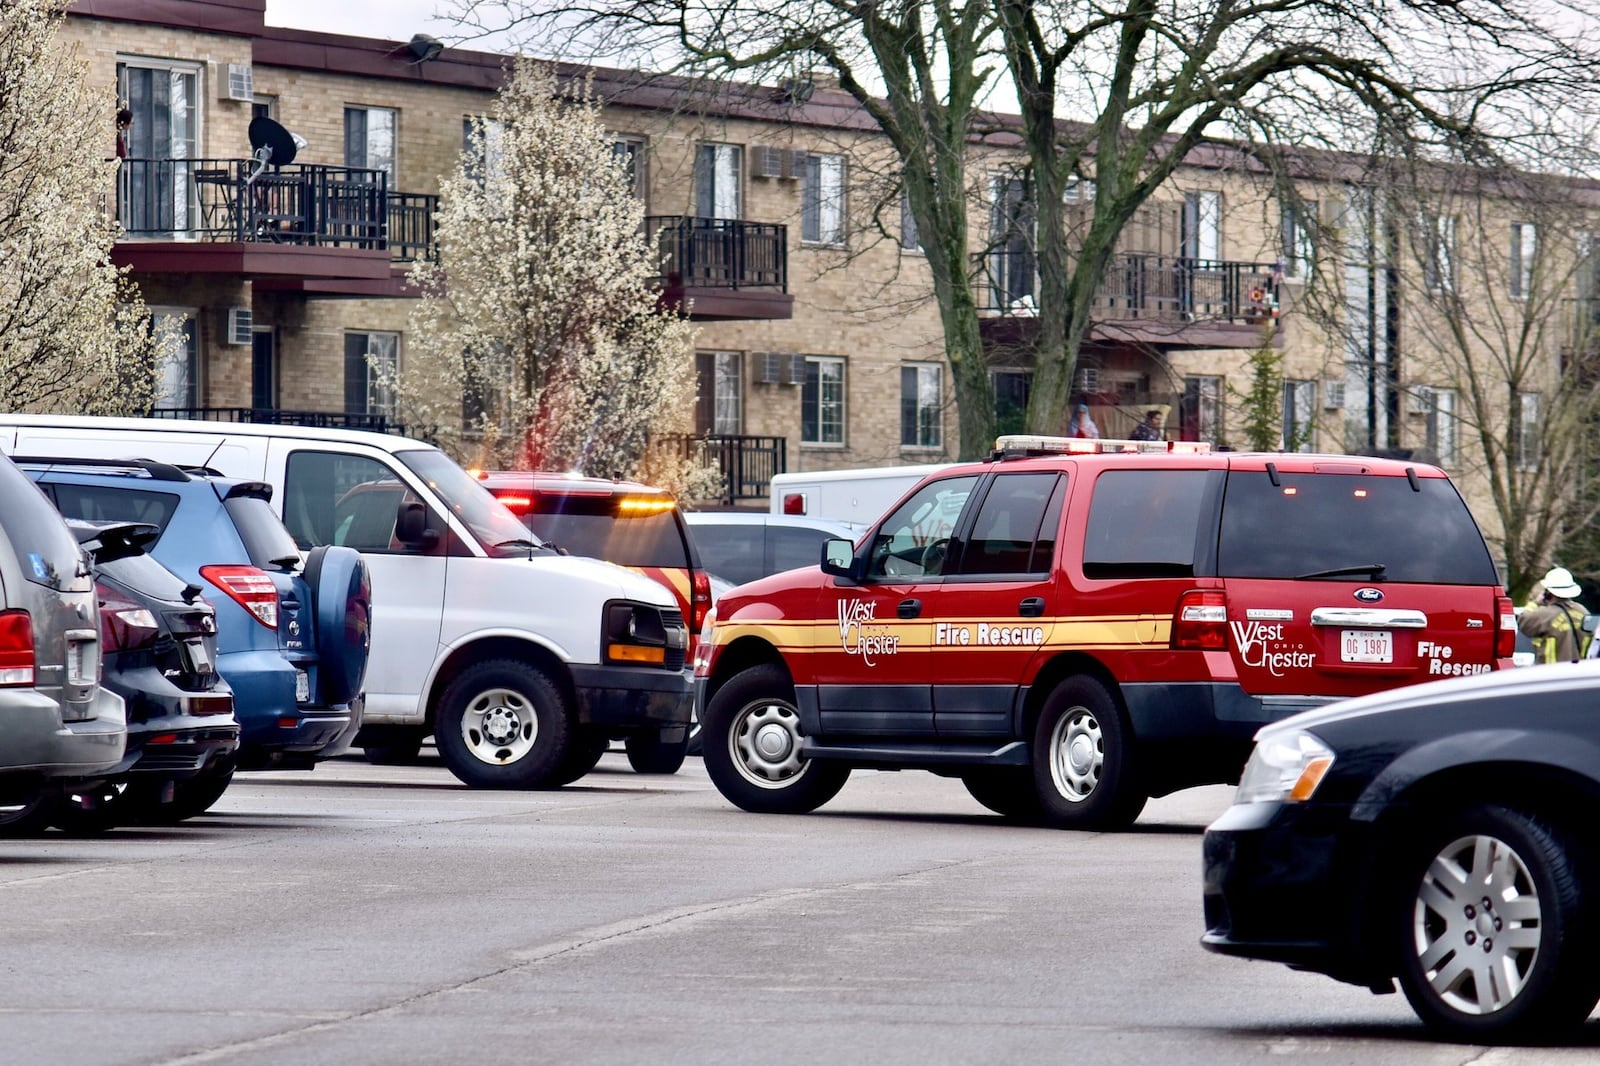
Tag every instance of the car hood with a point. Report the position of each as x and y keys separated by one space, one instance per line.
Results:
x=626 y=583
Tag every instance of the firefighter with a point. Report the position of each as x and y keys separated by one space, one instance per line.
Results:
x=1556 y=624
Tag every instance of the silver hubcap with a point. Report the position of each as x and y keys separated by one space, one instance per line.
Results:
x=1476 y=925
x=1077 y=754
x=499 y=726
x=765 y=744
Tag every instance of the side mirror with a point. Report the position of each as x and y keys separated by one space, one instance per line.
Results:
x=1591 y=622
x=839 y=558
x=411 y=526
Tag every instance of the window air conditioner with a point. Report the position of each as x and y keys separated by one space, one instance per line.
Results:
x=1333 y=395
x=239 y=83
x=767 y=161
x=240 y=325
x=765 y=371
x=794 y=369
x=1421 y=400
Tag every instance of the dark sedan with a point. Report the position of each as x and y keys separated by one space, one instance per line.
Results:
x=1441 y=835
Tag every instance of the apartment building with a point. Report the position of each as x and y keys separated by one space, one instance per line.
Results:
x=819 y=345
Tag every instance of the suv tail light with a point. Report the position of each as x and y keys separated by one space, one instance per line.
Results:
x=249 y=587
x=699 y=601
x=16 y=648
x=124 y=625
x=1505 y=638
x=1201 y=621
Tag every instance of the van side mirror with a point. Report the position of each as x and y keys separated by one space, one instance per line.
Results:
x=839 y=558
x=411 y=526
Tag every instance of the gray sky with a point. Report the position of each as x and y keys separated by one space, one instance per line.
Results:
x=392 y=19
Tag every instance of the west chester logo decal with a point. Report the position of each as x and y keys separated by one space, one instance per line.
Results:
x=1264 y=646
x=860 y=634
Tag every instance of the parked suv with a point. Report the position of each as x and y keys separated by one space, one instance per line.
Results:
x=292 y=636
x=623 y=522
x=1074 y=626
x=55 y=718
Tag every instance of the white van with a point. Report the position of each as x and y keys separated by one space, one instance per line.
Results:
x=860 y=496
x=521 y=661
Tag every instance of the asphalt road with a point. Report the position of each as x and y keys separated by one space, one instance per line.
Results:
x=362 y=914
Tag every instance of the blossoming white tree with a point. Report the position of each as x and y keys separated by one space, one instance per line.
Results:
x=74 y=333
x=539 y=342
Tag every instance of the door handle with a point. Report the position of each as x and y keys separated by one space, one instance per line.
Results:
x=1031 y=606
x=909 y=608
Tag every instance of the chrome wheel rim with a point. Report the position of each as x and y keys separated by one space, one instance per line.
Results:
x=765 y=744
x=1077 y=754
x=499 y=726
x=1477 y=924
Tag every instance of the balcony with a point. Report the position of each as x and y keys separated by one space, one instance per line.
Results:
x=722 y=268
x=1167 y=302
x=375 y=422
x=304 y=227
x=746 y=463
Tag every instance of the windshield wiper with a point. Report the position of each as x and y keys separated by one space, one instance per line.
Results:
x=519 y=542
x=1375 y=570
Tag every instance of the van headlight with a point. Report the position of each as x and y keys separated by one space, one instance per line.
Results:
x=1285 y=767
x=638 y=635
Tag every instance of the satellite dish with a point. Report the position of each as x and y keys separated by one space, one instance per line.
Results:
x=272 y=144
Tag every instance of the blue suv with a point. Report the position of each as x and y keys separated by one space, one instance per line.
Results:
x=291 y=634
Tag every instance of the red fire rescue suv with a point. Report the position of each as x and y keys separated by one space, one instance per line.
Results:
x=1073 y=626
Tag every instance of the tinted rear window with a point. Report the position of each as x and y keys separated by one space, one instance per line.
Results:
x=266 y=539
x=98 y=503
x=1148 y=523
x=589 y=525
x=791 y=547
x=1325 y=522
x=733 y=552
x=48 y=553
x=144 y=575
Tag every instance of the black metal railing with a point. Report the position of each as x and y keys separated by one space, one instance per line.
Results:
x=219 y=200
x=720 y=253
x=1149 y=287
x=376 y=422
x=746 y=463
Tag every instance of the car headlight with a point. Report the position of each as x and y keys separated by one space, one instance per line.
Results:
x=1284 y=768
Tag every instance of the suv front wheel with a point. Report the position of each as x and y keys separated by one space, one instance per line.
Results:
x=503 y=724
x=750 y=741
x=1083 y=762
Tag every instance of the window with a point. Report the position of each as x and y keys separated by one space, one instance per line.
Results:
x=331 y=498
x=1200 y=414
x=180 y=365
x=822 y=200
x=921 y=405
x=628 y=151
x=910 y=236
x=1524 y=246
x=369 y=140
x=1438 y=268
x=1441 y=426
x=1202 y=226
x=1078 y=191
x=1009 y=524
x=1299 y=408
x=1146 y=523
x=717 y=169
x=1527 y=430
x=154 y=179
x=910 y=541
x=371 y=366
x=719 y=397
x=1298 y=253
x=1011 y=388
x=1010 y=260
x=822 y=401
x=482 y=155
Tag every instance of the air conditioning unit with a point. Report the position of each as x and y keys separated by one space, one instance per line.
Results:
x=1088 y=379
x=241 y=323
x=767 y=161
x=765 y=369
x=1421 y=400
x=1333 y=395
x=239 y=84
x=794 y=368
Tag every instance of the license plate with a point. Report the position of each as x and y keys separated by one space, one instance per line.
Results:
x=199 y=661
x=302 y=686
x=75 y=663
x=1366 y=646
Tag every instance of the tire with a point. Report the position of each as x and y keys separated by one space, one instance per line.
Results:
x=503 y=723
x=1084 y=769
x=94 y=812
x=341 y=592
x=649 y=754
x=758 y=706
x=390 y=745
x=1007 y=791
x=583 y=755
x=191 y=797
x=30 y=815
x=1536 y=880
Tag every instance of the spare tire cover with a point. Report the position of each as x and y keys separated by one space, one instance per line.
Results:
x=341 y=591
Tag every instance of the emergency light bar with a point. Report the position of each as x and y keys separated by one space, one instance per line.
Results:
x=1034 y=444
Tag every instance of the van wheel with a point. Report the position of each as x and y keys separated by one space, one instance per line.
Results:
x=503 y=723
x=390 y=745
x=1008 y=791
x=750 y=741
x=583 y=755
x=1083 y=764
x=649 y=754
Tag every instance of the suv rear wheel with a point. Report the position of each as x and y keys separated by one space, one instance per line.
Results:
x=1083 y=763
x=503 y=724
x=750 y=741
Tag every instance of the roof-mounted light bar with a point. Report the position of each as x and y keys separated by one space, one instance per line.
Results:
x=1037 y=444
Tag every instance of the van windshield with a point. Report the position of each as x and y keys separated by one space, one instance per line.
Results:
x=500 y=532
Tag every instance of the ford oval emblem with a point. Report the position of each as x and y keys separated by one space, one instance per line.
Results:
x=1369 y=594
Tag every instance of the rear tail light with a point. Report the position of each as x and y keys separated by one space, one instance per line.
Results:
x=249 y=587
x=124 y=625
x=16 y=648
x=518 y=503
x=1201 y=621
x=1505 y=638
x=699 y=601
